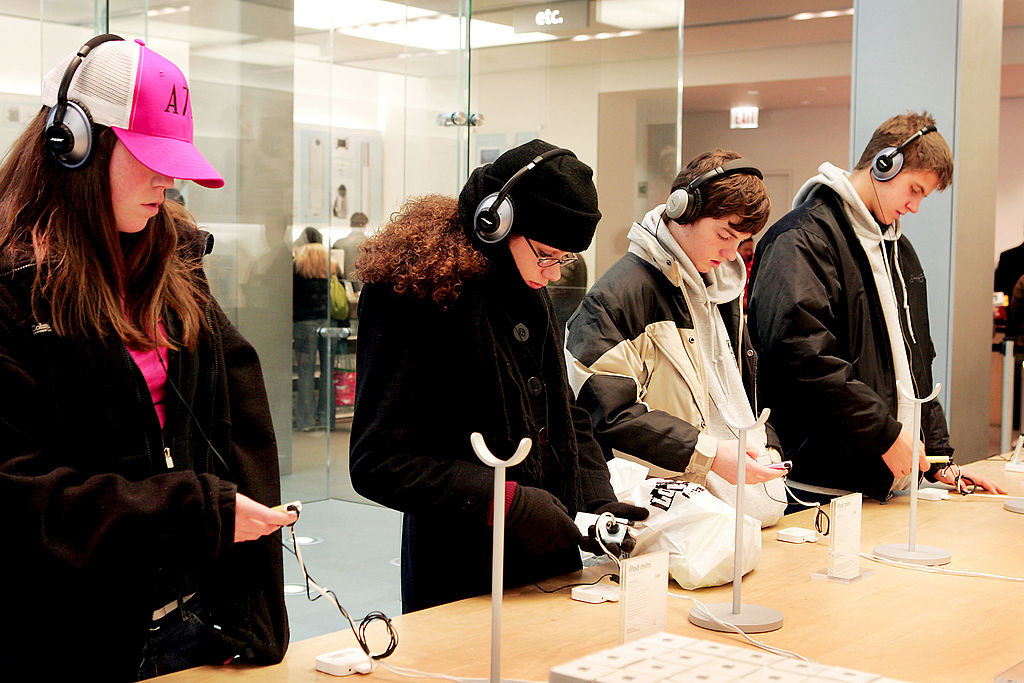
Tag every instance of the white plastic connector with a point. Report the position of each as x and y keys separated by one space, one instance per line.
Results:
x=932 y=493
x=595 y=594
x=795 y=534
x=344 y=662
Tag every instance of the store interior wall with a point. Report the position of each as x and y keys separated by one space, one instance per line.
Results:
x=600 y=105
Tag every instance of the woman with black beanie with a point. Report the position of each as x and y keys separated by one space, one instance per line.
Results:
x=457 y=335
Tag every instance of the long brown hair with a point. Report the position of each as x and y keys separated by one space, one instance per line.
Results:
x=85 y=283
x=422 y=250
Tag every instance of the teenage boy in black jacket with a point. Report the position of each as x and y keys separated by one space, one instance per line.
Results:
x=838 y=313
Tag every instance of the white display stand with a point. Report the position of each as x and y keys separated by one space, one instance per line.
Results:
x=911 y=552
x=498 y=543
x=748 y=618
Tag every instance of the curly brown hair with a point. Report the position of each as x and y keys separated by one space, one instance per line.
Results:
x=422 y=249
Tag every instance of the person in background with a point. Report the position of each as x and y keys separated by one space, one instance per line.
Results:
x=839 y=314
x=746 y=252
x=137 y=452
x=310 y=313
x=1009 y=269
x=457 y=335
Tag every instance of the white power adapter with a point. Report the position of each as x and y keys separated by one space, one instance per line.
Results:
x=344 y=662
x=595 y=594
x=932 y=493
x=795 y=534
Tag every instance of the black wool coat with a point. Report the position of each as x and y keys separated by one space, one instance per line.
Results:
x=101 y=531
x=427 y=378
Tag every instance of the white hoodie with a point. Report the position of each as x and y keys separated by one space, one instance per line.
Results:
x=652 y=241
x=872 y=239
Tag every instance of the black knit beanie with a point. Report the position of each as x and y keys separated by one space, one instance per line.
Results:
x=554 y=203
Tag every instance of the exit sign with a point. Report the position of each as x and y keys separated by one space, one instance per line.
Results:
x=743 y=117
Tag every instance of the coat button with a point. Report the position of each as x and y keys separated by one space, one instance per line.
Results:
x=535 y=385
x=521 y=332
x=691 y=339
x=542 y=436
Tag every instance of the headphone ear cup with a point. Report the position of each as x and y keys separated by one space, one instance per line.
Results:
x=70 y=140
x=677 y=204
x=492 y=224
x=684 y=205
x=886 y=164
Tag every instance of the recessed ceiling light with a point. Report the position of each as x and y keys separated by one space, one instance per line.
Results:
x=753 y=92
x=827 y=14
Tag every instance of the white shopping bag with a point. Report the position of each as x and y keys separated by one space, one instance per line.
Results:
x=697 y=529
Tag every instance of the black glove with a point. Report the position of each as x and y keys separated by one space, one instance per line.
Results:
x=540 y=521
x=626 y=511
x=633 y=513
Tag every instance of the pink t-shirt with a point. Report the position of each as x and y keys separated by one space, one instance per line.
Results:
x=155 y=373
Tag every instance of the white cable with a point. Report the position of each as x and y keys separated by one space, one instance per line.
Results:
x=737 y=629
x=938 y=570
x=789 y=490
x=413 y=673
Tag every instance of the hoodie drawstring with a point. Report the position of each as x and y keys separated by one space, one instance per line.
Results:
x=903 y=284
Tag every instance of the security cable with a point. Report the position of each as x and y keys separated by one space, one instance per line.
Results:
x=938 y=570
x=733 y=628
x=360 y=631
x=614 y=577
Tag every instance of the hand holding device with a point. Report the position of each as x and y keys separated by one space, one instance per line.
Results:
x=899 y=457
x=540 y=521
x=724 y=464
x=253 y=519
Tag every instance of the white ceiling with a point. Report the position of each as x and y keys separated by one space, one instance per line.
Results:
x=712 y=26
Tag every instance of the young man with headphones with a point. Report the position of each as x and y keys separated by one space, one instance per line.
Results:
x=839 y=313
x=457 y=335
x=652 y=344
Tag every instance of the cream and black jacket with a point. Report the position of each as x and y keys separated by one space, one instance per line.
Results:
x=635 y=362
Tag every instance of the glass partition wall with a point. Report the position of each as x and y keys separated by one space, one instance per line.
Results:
x=324 y=116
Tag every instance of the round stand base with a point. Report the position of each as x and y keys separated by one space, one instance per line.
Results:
x=751 y=619
x=1014 y=505
x=922 y=554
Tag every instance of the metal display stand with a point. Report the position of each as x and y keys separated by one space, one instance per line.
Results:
x=911 y=552
x=498 y=543
x=746 y=617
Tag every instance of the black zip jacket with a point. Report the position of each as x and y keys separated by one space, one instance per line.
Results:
x=101 y=531
x=826 y=366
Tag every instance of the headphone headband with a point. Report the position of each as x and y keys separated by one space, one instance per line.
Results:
x=71 y=143
x=685 y=204
x=492 y=221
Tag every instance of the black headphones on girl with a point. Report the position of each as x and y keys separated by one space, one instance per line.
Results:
x=889 y=161
x=492 y=220
x=685 y=204
x=68 y=134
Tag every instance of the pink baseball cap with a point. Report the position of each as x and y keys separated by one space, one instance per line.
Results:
x=145 y=99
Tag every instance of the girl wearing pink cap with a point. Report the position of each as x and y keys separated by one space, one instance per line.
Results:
x=137 y=455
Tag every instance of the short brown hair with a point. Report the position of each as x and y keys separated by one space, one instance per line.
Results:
x=928 y=153
x=740 y=194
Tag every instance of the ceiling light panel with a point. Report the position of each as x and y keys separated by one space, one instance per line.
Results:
x=631 y=14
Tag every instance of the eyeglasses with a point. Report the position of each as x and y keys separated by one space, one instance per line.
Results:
x=548 y=261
